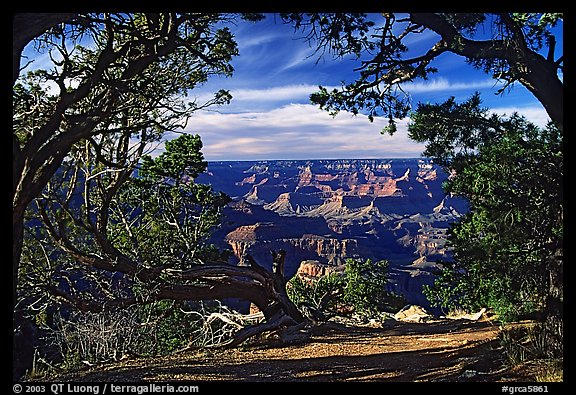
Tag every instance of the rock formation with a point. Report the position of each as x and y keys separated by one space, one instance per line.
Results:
x=311 y=270
x=259 y=239
x=413 y=313
x=330 y=210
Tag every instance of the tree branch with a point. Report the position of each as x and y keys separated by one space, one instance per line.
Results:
x=26 y=27
x=460 y=45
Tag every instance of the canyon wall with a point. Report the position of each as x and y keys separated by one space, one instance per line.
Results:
x=331 y=210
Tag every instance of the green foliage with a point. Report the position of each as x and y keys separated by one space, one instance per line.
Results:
x=502 y=247
x=537 y=27
x=323 y=294
x=81 y=123
x=134 y=69
x=182 y=157
x=155 y=220
x=361 y=288
x=175 y=215
x=165 y=328
x=366 y=282
x=453 y=131
x=119 y=83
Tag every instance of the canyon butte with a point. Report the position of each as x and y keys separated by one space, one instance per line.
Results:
x=322 y=212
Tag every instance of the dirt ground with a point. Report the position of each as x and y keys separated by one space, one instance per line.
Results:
x=406 y=352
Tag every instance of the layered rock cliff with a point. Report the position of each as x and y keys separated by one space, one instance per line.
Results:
x=259 y=239
x=330 y=210
x=311 y=270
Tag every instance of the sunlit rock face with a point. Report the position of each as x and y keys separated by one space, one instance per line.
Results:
x=331 y=210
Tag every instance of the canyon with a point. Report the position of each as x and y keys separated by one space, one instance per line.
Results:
x=332 y=210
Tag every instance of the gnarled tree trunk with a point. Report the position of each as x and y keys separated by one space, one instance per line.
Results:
x=553 y=326
x=215 y=281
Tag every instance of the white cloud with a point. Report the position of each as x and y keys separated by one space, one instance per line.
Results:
x=278 y=93
x=302 y=91
x=298 y=131
x=535 y=114
x=249 y=41
x=442 y=84
x=265 y=98
x=249 y=100
x=302 y=131
x=299 y=58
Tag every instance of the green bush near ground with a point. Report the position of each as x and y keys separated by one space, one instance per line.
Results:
x=360 y=289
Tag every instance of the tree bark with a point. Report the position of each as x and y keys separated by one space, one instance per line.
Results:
x=17 y=241
x=37 y=160
x=535 y=72
x=543 y=82
x=26 y=27
x=553 y=326
x=212 y=281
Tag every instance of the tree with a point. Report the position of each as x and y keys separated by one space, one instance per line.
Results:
x=98 y=238
x=109 y=73
x=365 y=288
x=508 y=248
x=521 y=48
x=114 y=238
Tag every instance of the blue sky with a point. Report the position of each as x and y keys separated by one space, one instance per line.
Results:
x=271 y=117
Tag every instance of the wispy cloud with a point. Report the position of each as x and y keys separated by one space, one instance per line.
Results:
x=247 y=41
x=303 y=56
x=299 y=91
x=275 y=96
x=443 y=84
x=302 y=131
x=277 y=93
x=535 y=114
x=298 y=131
x=263 y=99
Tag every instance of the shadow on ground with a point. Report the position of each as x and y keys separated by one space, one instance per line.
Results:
x=441 y=351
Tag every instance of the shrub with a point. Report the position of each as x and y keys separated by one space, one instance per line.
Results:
x=361 y=288
x=323 y=294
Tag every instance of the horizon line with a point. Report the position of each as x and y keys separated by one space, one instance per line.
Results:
x=317 y=159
